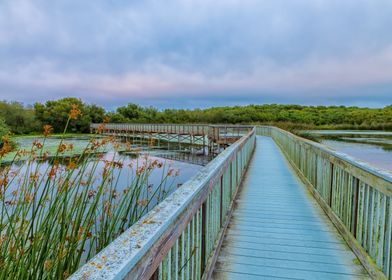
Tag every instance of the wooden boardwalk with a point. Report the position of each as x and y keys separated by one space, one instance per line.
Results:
x=278 y=230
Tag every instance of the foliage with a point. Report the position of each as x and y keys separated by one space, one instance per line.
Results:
x=95 y=113
x=286 y=116
x=117 y=118
x=135 y=113
x=55 y=216
x=19 y=119
x=55 y=113
x=26 y=120
x=3 y=131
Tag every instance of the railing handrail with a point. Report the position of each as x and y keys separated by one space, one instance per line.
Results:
x=179 y=124
x=231 y=125
x=154 y=124
x=94 y=125
x=381 y=175
x=141 y=247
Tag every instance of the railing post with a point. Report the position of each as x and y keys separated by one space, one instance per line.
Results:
x=354 y=219
x=231 y=180
x=203 y=237
x=221 y=201
x=331 y=184
x=238 y=167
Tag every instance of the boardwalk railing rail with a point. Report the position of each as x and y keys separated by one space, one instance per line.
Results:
x=356 y=196
x=191 y=129
x=226 y=134
x=214 y=132
x=178 y=238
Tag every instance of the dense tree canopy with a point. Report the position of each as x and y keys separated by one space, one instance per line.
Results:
x=23 y=120
x=95 y=113
x=3 y=129
x=56 y=113
x=18 y=118
x=312 y=116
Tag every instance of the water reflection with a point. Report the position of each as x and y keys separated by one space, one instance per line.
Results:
x=375 y=155
x=374 y=147
x=184 y=170
x=79 y=204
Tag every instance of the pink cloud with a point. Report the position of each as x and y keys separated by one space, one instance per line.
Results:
x=156 y=79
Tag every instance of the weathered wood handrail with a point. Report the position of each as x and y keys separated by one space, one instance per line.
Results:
x=177 y=239
x=193 y=129
x=214 y=136
x=223 y=133
x=356 y=196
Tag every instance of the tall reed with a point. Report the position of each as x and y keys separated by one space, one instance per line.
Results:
x=54 y=217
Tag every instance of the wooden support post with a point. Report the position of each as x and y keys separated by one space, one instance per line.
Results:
x=331 y=184
x=204 y=145
x=203 y=238
x=354 y=220
x=221 y=201
x=231 y=180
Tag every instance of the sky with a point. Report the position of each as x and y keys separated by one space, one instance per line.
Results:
x=201 y=53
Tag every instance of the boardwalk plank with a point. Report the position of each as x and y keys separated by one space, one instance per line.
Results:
x=278 y=230
x=231 y=260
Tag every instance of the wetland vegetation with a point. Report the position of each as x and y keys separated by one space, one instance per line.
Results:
x=63 y=199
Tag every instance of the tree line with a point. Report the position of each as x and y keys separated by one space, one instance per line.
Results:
x=19 y=119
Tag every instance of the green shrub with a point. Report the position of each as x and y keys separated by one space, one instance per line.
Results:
x=3 y=131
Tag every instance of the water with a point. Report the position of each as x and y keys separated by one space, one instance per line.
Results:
x=373 y=147
x=373 y=154
x=350 y=132
x=185 y=167
x=153 y=190
x=119 y=185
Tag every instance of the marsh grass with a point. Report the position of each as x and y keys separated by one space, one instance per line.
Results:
x=61 y=214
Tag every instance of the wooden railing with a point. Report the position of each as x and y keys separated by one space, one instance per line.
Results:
x=191 y=129
x=215 y=137
x=356 y=196
x=227 y=134
x=179 y=238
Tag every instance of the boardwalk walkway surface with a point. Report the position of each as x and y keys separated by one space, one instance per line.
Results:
x=278 y=231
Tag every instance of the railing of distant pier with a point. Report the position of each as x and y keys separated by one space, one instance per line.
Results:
x=191 y=129
x=179 y=238
x=356 y=197
x=225 y=134
x=218 y=133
